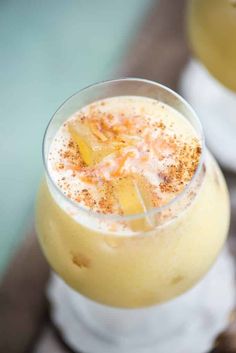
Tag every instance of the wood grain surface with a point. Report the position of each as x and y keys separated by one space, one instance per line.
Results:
x=158 y=52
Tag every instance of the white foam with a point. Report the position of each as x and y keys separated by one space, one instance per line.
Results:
x=153 y=110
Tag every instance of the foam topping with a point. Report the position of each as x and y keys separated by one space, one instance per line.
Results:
x=124 y=155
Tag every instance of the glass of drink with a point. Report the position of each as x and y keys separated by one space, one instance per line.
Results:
x=132 y=213
x=212 y=32
x=209 y=81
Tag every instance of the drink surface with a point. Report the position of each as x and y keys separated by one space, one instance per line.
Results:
x=145 y=261
x=212 y=33
x=124 y=155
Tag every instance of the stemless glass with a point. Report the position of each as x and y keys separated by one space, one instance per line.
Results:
x=115 y=278
x=209 y=81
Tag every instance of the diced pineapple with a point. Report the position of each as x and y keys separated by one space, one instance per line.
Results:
x=80 y=136
x=132 y=201
x=92 y=151
x=145 y=192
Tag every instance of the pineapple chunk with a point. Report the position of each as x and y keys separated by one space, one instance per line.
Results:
x=132 y=201
x=91 y=149
x=80 y=136
x=145 y=192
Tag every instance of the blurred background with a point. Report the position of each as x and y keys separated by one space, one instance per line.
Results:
x=48 y=51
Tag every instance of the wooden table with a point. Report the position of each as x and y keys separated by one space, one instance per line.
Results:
x=159 y=52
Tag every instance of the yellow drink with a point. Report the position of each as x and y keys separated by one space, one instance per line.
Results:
x=212 y=34
x=140 y=270
x=125 y=261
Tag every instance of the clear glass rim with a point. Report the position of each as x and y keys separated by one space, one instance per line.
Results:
x=116 y=217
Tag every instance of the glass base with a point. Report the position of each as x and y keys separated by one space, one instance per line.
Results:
x=189 y=323
x=216 y=107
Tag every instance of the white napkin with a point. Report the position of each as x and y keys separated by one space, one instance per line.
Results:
x=216 y=108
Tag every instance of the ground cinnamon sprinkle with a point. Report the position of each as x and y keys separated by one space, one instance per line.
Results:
x=106 y=202
x=135 y=145
x=179 y=174
x=87 y=198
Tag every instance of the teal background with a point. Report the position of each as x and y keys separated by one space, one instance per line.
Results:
x=48 y=50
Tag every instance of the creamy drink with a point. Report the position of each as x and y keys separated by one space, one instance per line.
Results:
x=212 y=32
x=133 y=211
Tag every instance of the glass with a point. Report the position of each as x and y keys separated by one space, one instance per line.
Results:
x=212 y=33
x=130 y=271
x=209 y=81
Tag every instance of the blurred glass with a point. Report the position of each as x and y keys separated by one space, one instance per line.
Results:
x=212 y=33
x=209 y=81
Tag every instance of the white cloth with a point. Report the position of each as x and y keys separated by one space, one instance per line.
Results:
x=216 y=108
x=188 y=324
